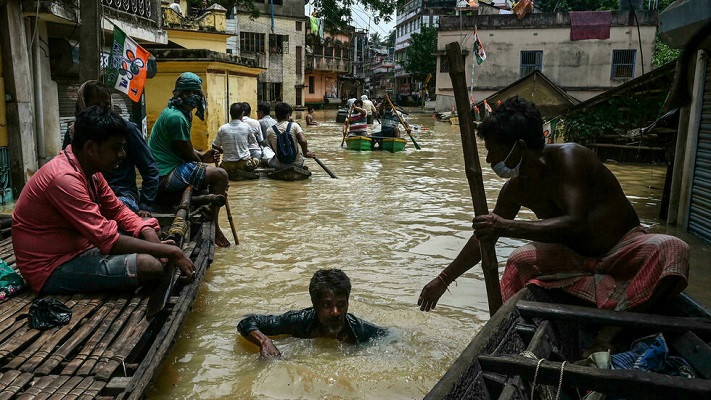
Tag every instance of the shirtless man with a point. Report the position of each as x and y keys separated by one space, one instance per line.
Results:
x=587 y=240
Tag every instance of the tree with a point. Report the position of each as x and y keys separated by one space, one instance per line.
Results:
x=338 y=13
x=390 y=40
x=376 y=40
x=419 y=56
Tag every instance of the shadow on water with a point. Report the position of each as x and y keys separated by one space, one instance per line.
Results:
x=391 y=222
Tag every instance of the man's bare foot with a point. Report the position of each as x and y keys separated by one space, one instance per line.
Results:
x=220 y=239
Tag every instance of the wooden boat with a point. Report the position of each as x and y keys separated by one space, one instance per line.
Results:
x=292 y=173
x=359 y=143
x=237 y=175
x=498 y=362
x=108 y=349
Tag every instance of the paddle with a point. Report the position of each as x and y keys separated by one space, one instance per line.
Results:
x=325 y=168
x=229 y=212
x=402 y=121
x=473 y=171
x=345 y=126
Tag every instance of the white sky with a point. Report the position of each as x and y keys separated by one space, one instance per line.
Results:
x=360 y=21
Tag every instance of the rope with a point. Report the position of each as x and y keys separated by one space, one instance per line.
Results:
x=535 y=378
x=560 y=380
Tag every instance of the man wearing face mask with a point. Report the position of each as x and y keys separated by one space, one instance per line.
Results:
x=328 y=318
x=179 y=164
x=587 y=239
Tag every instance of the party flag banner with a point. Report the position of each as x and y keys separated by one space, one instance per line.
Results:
x=128 y=61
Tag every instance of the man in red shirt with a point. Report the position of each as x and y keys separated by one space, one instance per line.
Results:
x=66 y=222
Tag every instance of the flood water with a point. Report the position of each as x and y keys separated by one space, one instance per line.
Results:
x=391 y=222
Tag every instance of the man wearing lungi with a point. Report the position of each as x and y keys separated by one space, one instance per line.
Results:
x=587 y=240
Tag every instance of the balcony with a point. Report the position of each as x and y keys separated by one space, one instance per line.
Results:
x=148 y=9
x=326 y=63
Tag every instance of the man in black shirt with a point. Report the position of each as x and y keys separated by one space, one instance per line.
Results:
x=328 y=318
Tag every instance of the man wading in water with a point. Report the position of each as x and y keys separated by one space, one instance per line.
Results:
x=587 y=240
x=328 y=318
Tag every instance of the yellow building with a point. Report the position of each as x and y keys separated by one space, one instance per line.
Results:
x=199 y=45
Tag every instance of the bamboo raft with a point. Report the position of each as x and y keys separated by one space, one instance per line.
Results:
x=501 y=362
x=109 y=350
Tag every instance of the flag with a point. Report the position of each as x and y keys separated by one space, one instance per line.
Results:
x=473 y=3
x=478 y=49
x=126 y=71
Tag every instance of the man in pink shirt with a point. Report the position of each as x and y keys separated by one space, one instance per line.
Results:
x=66 y=222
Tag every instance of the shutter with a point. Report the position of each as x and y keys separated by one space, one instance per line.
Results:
x=700 y=204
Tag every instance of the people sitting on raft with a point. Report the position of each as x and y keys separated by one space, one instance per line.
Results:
x=389 y=126
x=296 y=134
x=358 y=122
x=66 y=222
x=178 y=162
x=265 y=121
x=310 y=117
x=327 y=318
x=587 y=241
x=255 y=148
x=123 y=180
x=234 y=138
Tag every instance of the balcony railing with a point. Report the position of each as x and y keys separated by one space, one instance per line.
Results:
x=325 y=63
x=148 y=9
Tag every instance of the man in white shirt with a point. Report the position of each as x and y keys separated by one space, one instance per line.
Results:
x=175 y=6
x=254 y=148
x=235 y=138
x=283 y=112
x=369 y=108
x=265 y=122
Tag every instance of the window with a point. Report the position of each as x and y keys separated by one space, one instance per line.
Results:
x=299 y=61
x=250 y=42
x=278 y=44
x=443 y=64
x=298 y=26
x=623 y=62
x=271 y=91
x=312 y=84
x=531 y=60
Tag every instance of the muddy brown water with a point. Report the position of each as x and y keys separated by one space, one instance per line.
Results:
x=391 y=222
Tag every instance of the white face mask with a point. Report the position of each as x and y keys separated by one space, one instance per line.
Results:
x=505 y=172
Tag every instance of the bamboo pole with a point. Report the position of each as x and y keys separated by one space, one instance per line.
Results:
x=473 y=171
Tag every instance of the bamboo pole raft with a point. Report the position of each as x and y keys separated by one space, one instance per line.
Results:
x=109 y=349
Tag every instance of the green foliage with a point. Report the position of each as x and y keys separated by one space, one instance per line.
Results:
x=663 y=53
x=419 y=56
x=337 y=13
x=390 y=40
x=616 y=116
x=376 y=40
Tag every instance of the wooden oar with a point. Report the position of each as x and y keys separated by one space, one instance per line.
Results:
x=402 y=121
x=325 y=168
x=473 y=172
x=229 y=212
x=345 y=126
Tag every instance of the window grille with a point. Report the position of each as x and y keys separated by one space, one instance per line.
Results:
x=278 y=44
x=531 y=60
x=623 y=63
x=250 y=42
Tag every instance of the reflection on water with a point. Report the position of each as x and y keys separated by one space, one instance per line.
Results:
x=391 y=222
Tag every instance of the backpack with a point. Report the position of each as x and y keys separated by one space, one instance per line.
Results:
x=285 y=148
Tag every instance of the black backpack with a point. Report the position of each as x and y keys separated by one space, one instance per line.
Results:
x=285 y=148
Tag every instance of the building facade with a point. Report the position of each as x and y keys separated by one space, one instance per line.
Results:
x=329 y=67
x=542 y=41
x=276 y=42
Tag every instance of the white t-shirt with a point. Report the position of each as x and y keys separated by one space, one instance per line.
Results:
x=256 y=130
x=235 y=138
x=176 y=8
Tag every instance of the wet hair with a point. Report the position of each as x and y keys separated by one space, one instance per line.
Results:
x=282 y=111
x=358 y=103
x=329 y=281
x=98 y=124
x=246 y=109
x=236 y=110
x=264 y=108
x=90 y=90
x=514 y=119
x=309 y=109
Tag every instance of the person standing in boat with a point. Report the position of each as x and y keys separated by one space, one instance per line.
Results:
x=327 y=318
x=283 y=125
x=178 y=162
x=358 y=123
x=587 y=240
x=370 y=109
x=66 y=222
x=235 y=138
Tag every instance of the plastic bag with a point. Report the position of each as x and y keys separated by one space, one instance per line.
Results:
x=46 y=313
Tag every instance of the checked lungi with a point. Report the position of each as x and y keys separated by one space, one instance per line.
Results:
x=621 y=279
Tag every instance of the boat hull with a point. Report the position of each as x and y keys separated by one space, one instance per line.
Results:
x=359 y=143
x=292 y=173
x=393 y=145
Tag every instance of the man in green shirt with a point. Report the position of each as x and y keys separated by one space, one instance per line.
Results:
x=179 y=164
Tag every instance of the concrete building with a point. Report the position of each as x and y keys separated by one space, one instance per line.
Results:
x=328 y=70
x=198 y=44
x=275 y=44
x=379 y=80
x=411 y=17
x=39 y=48
x=542 y=41
x=687 y=24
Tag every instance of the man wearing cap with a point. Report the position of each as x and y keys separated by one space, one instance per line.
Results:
x=369 y=108
x=179 y=164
